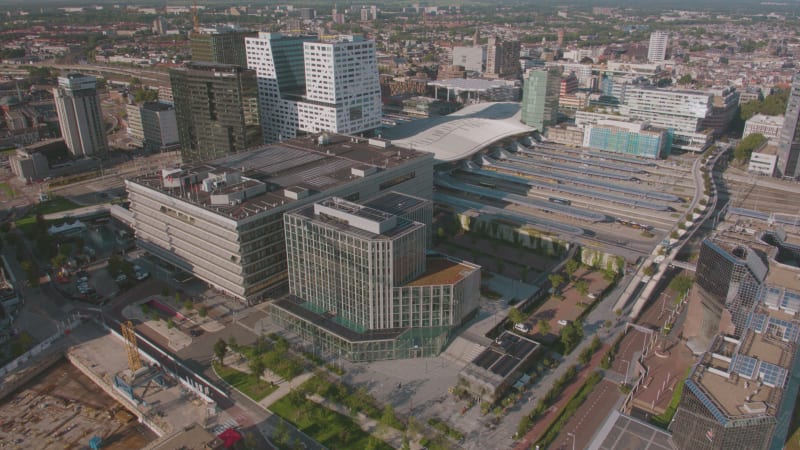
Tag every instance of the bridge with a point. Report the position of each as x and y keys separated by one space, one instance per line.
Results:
x=683 y=265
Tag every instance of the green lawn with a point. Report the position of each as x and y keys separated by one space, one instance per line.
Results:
x=327 y=427
x=54 y=205
x=244 y=382
x=8 y=190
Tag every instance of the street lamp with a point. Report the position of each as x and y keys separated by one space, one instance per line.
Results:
x=573 y=439
x=627 y=369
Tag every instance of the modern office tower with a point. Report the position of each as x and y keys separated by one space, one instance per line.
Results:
x=568 y=85
x=361 y=285
x=540 y=98
x=657 y=51
x=741 y=394
x=221 y=46
x=768 y=126
x=310 y=85
x=79 y=115
x=727 y=281
x=216 y=107
x=159 y=126
x=682 y=111
x=502 y=58
x=637 y=139
x=789 y=142
x=472 y=58
x=134 y=119
x=222 y=221
x=724 y=107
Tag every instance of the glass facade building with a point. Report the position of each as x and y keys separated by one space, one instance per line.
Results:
x=634 y=139
x=222 y=47
x=789 y=139
x=79 y=115
x=540 y=98
x=360 y=282
x=216 y=108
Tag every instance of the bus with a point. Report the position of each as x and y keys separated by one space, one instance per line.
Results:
x=561 y=201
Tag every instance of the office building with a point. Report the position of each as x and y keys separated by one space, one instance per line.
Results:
x=79 y=115
x=635 y=139
x=540 y=98
x=789 y=141
x=222 y=221
x=724 y=107
x=742 y=392
x=135 y=128
x=309 y=85
x=727 y=282
x=472 y=58
x=681 y=111
x=158 y=124
x=569 y=85
x=768 y=126
x=502 y=58
x=764 y=160
x=216 y=109
x=220 y=46
x=657 y=50
x=361 y=285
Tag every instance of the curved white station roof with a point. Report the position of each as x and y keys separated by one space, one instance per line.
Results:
x=462 y=133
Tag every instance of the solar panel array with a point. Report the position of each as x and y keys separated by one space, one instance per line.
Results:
x=756 y=322
x=788 y=331
x=772 y=374
x=745 y=365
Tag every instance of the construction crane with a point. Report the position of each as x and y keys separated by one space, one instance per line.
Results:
x=134 y=362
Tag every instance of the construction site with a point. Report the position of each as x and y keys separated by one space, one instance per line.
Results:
x=62 y=408
x=98 y=391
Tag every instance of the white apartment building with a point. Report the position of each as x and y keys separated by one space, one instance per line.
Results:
x=657 y=51
x=764 y=160
x=472 y=58
x=769 y=126
x=311 y=85
x=681 y=111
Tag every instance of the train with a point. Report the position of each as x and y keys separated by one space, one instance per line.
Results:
x=560 y=201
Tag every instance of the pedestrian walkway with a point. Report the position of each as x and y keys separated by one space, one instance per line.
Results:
x=549 y=416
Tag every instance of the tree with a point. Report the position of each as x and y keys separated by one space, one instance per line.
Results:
x=747 y=145
x=515 y=316
x=680 y=284
x=388 y=418
x=257 y=368
x=555 y=280
x=203 y=311
x=571 y=335
x=571 y=267
x=544 y=326
x=582 y=287
x=220 y=348
x=686 y=79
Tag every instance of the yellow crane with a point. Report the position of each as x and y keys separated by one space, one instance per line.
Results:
x=132 y=347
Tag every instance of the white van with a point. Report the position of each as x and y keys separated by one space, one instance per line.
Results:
x=522 y=327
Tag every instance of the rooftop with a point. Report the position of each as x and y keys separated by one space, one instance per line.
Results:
x=501 y=359
x=746 y=378
x=462 y=133
x=472 y=84
x=443 y=271
x=300 y=165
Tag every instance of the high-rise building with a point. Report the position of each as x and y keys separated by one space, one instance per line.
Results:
x=724 y=106
x=361 y=285
x=79 y=115
x=657 y=51
x=682 y=111
x=216 y=108
x=222 y=220
x=221 y=46
x=502 y=58
x=311 y=85
x=540 y=98
x=569 y=84
x=135 y=128
x=789 y=142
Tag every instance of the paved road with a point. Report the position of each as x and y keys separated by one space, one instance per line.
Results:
x=502 y=436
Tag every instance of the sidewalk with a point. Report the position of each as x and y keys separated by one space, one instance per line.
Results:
x=544 y=421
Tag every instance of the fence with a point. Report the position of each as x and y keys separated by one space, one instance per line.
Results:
x=64 y=328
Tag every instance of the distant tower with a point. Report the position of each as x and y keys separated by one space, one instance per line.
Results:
x=560 y=35
x=657 y=51
x=79 y=115
x=540 y=93
x=789 y=139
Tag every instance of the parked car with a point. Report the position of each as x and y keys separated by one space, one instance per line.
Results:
x=563 y=322
x=522 y=327
x=121 y=278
